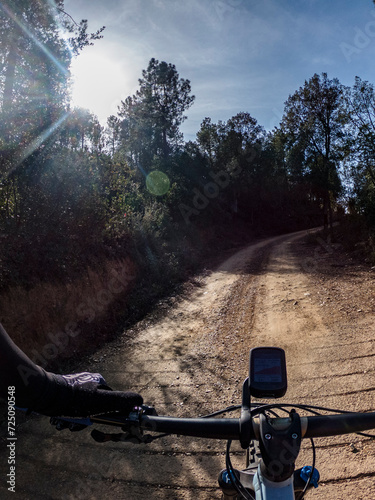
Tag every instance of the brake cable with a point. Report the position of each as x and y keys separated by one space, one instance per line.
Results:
x=235 y=480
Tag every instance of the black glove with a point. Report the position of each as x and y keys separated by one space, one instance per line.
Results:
x=84 y=394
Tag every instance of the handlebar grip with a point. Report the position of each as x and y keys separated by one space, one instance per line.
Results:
x=211 y=428
x=334 y=425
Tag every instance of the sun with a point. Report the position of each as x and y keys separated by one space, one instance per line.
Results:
x=98 y=83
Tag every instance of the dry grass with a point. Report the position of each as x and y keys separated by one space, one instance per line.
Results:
x=46 y=318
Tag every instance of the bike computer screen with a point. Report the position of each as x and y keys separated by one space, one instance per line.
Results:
x=267 y=372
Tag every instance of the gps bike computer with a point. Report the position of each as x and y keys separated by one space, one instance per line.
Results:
x=267 y=377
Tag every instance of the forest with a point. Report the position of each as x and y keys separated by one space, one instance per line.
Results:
x=97 y=220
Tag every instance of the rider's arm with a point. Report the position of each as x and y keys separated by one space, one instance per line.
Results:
x=51 y=394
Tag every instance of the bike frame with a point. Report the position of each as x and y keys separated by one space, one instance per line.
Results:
x=258 y=486
x=261 y=488
x=270 y=473
x=269 y=490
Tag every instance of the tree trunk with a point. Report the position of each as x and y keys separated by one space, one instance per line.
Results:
x=330 y=217
x=325 y=217
x=165 y=143
x=10 y=69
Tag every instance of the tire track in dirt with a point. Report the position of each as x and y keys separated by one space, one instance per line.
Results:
x=321 y=349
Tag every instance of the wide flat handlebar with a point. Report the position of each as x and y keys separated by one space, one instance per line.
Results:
x=229 y=428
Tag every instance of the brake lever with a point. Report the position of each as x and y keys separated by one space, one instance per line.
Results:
x=130 y=425
x=133 y=433
x=73 y=424
x=129 y=437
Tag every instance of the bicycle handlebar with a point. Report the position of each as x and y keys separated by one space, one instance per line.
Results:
x=229 y=428
x=312 y=427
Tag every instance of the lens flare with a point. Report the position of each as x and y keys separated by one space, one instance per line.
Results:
x=157 y=183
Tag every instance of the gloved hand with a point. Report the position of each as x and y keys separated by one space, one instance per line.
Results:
x=84 y=394
x=77 y=395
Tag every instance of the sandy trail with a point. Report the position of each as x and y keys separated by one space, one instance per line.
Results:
x=193 y=361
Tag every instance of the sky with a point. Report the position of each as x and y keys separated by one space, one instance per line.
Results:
x=239 y=55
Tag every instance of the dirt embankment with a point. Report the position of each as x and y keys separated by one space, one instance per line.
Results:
x=307 y=297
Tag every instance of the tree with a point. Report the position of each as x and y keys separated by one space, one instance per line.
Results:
x=360 y=102
x=34 y=72
x=361 y=113
x=240 y=137
x=112 y=133
x=48 y=191
x=313 y=121
x=208 y=140
x=151 y=117
x=232 y=149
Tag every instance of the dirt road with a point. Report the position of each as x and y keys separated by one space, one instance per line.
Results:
x=308 y=298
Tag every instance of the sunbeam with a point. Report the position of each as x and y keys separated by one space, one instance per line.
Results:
x=38 y=141
x=37 y=42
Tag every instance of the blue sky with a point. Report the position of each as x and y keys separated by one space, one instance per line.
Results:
x=240 y=55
